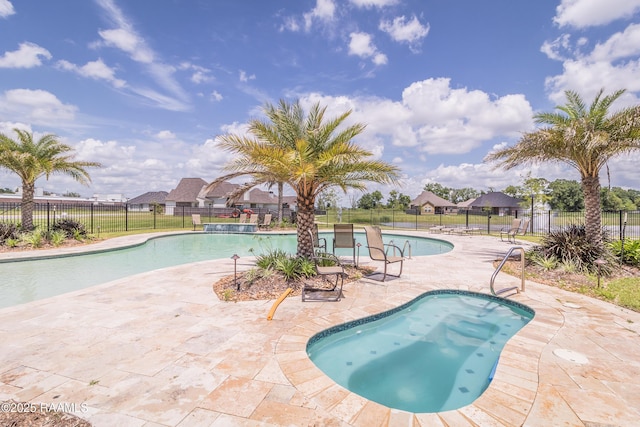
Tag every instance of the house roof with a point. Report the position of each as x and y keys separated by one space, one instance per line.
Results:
x=496 y=200
x=466 y=203
x=430 y=198
x=221 y=190
x=187 y=190
x=149 y=197
x=257 y=195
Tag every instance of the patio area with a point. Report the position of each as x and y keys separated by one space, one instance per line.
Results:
x=160 y=349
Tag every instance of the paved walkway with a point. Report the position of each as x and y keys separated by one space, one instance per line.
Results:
x=160 y=349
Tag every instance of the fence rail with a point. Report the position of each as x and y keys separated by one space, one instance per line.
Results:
x=123 y=217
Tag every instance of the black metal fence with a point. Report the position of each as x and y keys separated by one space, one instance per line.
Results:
x=107 y=218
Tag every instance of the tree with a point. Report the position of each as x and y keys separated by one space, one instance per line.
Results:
x=370 y=200
x=398 y=200
x=584 y=138
x=566 y=195
x=306 y=152
x=31 y=160
x=438 y=189
x=463 y=194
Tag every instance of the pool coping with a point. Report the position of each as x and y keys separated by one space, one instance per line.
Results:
x=532 y=386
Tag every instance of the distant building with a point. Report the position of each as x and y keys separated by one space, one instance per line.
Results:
x=147 y=201
x=429 y=203
x=497 y=203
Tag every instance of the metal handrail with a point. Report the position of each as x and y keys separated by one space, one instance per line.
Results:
x=502 y=263
x=391 y=244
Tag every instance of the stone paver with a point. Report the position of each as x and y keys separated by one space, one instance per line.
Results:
x=160 y=349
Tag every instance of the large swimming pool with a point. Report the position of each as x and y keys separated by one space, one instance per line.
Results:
x=436 y=353
x=30 y=280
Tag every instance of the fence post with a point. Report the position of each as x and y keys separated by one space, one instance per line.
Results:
x=154 y=217
x=488 y=222
x=416 y=211
x=467 y=218
x=126 y=217
x=91 y=216
x=48 y=212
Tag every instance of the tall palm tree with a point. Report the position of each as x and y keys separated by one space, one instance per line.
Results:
x=307 y=153
x=31 y=160
x=584 y=138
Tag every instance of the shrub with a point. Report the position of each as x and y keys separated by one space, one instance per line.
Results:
x=34 y=238
x=629 y=253
x=72 y=229
x=571 y=247
x=57 y=237
x=271 y=258
x=8 y=230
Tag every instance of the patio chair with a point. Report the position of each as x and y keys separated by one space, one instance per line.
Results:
x=266 y=222
x=242 y=218
x=328 y=267
x=318 y=242
x=378 y=250
x=253 y=219
x=343 y=238
x=510 y=231
x=196 y=221
x=521 y=231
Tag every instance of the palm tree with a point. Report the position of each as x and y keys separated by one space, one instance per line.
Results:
x=584 y=138
x=31 y=160
x=305 y=152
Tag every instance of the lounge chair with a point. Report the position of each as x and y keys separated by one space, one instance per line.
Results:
x=242 y=218
x=196 y=221
x=253 y=219
x=332 y=272
x=318 y=242
x=510 y=231
x=343 y=238
x=378 y=250
x=521 y=231
x=266 y=222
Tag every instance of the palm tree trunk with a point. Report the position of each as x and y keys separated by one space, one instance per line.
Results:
x=305 y=219
x=280 y=213
x=28 y=190
x=592 y=207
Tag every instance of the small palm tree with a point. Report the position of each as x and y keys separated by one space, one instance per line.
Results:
x=31 y=160
x=305 y=152
x=584 y=138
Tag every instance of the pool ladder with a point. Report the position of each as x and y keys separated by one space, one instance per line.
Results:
x=404 y=248
x=504 y=260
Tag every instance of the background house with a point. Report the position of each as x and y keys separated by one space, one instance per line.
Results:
x=429 y=203
x=497 y=203
x=185 y=195
x=148 y=200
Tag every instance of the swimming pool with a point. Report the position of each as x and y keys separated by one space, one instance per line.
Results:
x=30 y=280
x=433 y=354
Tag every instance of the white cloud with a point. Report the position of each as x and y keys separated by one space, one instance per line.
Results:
x=374 y=3
x=125 y=38
x=37 y=107
x=586 y=13
x=361 y=45
x=216 y=96
x=557 y=49
x=403 y=31
x=96 y=70
x=6 y=8
x=28 y=55
x=324 y=12
x=603 y=67
x=166 y=134
x=245 y=78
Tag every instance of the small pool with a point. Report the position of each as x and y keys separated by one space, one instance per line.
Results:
x=435 y=353
x=30 y=280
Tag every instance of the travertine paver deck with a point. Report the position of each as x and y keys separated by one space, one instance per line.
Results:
x=160 y=349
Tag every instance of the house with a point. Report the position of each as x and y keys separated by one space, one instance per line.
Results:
x=497 y=203
x=147 y=201
x=190 y=193
x=185 y=195
x=429 y=203
x=466 y=205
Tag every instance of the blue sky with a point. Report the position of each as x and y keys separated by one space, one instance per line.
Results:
x=144 y=87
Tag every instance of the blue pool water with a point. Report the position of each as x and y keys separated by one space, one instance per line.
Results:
x=433 y=354
x=24 y=281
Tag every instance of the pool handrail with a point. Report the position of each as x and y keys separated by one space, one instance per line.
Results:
x=502 y=263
